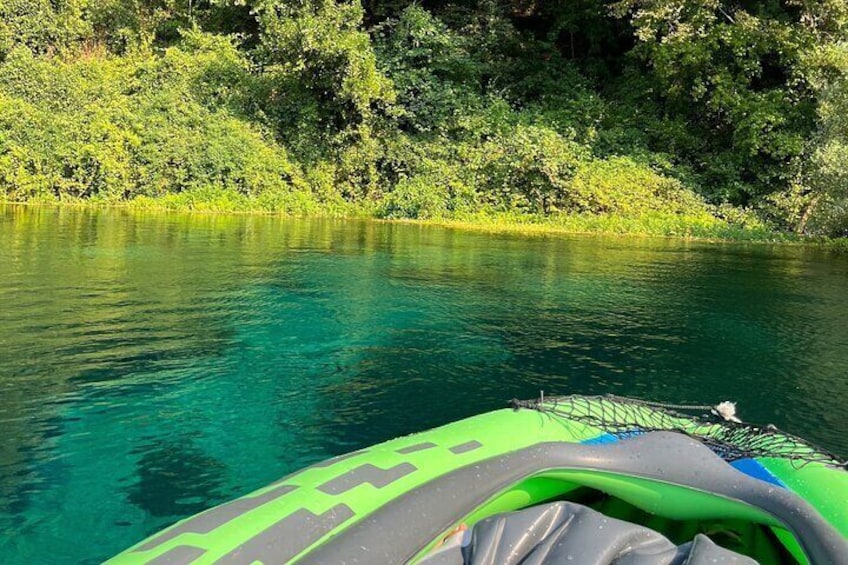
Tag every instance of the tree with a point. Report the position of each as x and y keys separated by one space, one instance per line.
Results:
x=319 y=48
x=735 y=73
x=826 y=178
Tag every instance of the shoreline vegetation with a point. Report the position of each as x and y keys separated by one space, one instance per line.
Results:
x=704 y=229
x=624 y=117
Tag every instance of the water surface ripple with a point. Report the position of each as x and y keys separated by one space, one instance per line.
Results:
x=154 y=365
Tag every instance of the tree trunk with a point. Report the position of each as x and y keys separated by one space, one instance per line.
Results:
x=805 y=217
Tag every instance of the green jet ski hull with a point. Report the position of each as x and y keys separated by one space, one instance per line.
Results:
x=396 y=501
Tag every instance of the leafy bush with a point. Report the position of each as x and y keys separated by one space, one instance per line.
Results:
x=113 y=129
x=41 y=26
x=623 y=187
x=528 y=168
x=437 y=190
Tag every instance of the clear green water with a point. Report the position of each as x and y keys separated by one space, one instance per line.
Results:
x=154 y=365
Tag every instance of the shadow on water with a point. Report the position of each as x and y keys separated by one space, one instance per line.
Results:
x=176 y=479
x=154 y=364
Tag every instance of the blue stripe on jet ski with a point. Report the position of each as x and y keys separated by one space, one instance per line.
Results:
x=753 y=468
x=603 y=438
x=611 y=438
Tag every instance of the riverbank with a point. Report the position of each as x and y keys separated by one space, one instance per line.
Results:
x=396 y=111
x=703 y=227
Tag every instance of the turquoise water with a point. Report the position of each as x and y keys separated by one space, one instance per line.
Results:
x=153 y=365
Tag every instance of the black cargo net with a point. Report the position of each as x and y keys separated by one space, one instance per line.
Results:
x=714 y=426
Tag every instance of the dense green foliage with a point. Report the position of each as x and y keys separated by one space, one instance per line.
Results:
x=633 y=109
